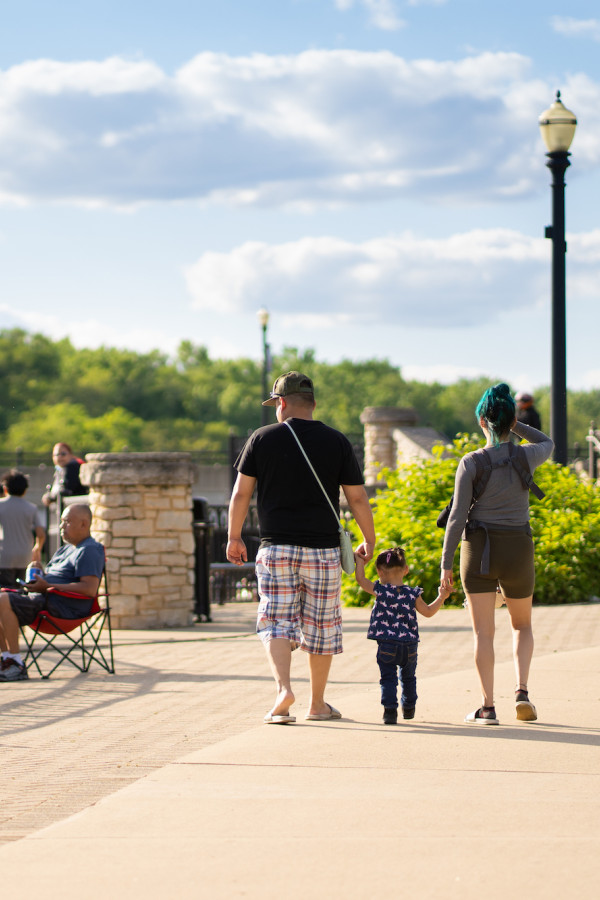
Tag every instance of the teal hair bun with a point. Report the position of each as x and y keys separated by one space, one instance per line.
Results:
x=497 y=407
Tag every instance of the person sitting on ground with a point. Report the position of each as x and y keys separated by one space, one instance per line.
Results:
x=76 y=566
x=19 y=521
x=394 y=626
x=66 y=481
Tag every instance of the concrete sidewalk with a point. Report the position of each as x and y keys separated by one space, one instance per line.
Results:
x=432 y=806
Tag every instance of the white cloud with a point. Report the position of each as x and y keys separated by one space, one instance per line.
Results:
x=320 y=127
x=571 y=27
x=327 y=279
x=111 y=76
x=382 y=13
x=460 y=281
x=590 y=380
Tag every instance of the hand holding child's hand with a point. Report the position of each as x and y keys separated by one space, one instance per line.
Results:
x=364 y=551
x=444 y=592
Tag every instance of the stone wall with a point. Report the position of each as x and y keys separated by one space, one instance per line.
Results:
x=393 y=437
x=142 y=514
x=380 y=423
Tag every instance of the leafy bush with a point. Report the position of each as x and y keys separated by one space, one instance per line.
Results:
x=566 y=531
x=565 y=525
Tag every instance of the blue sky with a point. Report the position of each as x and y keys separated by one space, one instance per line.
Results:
x=370 y=171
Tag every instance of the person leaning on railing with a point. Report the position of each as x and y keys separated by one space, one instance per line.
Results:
x=66 y=482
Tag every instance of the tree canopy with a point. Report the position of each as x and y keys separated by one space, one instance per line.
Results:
x=109 y=399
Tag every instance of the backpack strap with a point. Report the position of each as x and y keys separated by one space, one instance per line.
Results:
x=483 y=470
x=520 y=464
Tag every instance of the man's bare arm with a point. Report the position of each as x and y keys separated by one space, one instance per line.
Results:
x=360 y=508
x=238 y=510
x=40 y=539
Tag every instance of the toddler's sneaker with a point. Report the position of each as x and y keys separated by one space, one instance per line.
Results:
x=408 y=712
x=390 y=716
x=485 y=715
x=526 y=711
x=11 y=670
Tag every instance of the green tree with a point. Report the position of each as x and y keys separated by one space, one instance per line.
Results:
x=29 y=365
x=344 y=389
x=149 y=401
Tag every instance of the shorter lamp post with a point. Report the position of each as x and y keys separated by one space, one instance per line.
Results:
x=263 y=319
x=557 y=125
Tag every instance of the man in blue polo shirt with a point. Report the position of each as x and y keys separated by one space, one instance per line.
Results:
x=76 y=566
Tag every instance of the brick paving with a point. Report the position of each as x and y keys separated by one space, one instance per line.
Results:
x=72 y=740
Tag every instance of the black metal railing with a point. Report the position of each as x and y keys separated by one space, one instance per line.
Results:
x=216 y=580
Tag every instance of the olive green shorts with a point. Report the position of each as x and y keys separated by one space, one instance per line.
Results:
x=511 y=563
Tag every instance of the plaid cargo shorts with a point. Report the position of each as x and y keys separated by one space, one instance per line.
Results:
x=299 y=590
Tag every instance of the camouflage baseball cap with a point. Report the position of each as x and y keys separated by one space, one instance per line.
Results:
x=290 y=383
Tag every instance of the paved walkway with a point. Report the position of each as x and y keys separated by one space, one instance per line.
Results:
x=178 y=789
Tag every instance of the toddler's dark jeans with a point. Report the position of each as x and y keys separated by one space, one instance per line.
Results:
x=392 y=657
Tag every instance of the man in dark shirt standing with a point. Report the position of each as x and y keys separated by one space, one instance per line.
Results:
x=526 y=411
x=298 y=563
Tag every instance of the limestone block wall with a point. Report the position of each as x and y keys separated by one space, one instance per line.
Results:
x=142 y=514
x=380 y=423
x=416 y=443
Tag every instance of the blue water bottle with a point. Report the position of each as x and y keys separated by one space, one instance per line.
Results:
x=33 y=571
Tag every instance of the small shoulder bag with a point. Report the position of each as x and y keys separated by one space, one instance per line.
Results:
x=346 y=551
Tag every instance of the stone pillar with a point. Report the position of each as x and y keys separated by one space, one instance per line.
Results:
x=380 y=445
x=142 y=514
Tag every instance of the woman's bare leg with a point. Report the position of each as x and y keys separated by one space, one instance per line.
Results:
x=520 y=620
x=482 y=609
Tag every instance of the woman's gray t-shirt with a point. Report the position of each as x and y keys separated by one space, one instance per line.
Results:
x=505 y=502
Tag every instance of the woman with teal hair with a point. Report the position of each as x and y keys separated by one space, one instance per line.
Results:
x=497 y=548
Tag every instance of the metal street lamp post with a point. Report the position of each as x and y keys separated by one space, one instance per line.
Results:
x=263 y=318
x=557 y=125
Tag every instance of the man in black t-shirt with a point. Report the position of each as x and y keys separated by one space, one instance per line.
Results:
x=298 y=563
x=526 y=411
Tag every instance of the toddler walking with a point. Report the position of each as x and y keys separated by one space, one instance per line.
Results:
x=394 y=626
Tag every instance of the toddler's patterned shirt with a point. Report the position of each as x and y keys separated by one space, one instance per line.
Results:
x=394 y=617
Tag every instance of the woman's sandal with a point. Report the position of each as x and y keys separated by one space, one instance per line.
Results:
x=485 y=715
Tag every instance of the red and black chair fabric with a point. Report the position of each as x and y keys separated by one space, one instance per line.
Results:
x=79 y=642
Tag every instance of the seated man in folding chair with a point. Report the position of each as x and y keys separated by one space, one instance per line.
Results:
x=76 y=566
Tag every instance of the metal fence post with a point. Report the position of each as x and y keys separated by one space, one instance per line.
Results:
x=202 y=534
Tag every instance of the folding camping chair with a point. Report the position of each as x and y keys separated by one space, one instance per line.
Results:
x=52 y=633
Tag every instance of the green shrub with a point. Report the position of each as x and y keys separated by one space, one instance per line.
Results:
x=565 y=525
x=566 y=531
